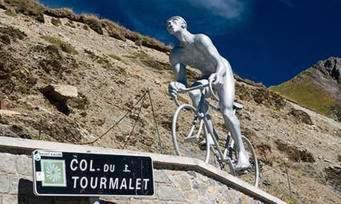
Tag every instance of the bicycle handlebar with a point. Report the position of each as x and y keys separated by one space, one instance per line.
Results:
x=202 y=86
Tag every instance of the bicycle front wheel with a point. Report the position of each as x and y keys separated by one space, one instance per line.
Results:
x=186 y=133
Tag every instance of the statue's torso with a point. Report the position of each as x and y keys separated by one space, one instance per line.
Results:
x=192 y=56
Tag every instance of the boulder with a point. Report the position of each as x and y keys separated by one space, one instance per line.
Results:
x=58 y=95
x=61 y=92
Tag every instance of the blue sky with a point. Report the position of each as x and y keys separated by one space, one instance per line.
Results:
x=267 y=41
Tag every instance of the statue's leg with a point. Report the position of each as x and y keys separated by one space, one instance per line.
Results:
x=226 y=99
x=200 y=103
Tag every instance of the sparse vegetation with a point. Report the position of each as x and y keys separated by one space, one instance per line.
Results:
x=304 y=91
x=62 y=13
x=14 y=79
x=115 y=57
x=13 y=33
x=27 y=7
x=100 y=60
x=85 y=27
x=114 y=30
x=10 y=12
x=66 y=47
x=56 y=22
x=52 y=62
x=93 y=22
x=34 y=9
x=148 y=61
x=70 y=24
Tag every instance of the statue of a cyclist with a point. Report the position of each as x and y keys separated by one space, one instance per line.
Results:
x=198 y=51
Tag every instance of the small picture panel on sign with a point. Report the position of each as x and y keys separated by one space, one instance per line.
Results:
x=53 y=172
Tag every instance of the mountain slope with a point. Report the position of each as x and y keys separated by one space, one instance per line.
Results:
x=317 y=88
x=111 y=75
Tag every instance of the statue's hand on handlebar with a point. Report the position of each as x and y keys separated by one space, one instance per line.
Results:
x=216 y=79
x=174 y=87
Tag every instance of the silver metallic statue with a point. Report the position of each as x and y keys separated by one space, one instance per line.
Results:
x=198 y=51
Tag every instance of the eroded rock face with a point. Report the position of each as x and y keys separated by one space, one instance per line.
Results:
x=331 y=67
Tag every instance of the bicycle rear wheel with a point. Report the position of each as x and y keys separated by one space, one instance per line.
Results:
x=186 y=133
x=250 y=175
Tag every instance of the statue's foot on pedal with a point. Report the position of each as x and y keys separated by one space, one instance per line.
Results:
x=243 y=163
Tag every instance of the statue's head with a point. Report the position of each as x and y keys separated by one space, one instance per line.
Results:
x=175 y=24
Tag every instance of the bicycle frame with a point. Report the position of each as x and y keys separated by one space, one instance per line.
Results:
x=208 y=128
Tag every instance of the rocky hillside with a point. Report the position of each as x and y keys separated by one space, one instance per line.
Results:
x=62 y=80
x=317 y=88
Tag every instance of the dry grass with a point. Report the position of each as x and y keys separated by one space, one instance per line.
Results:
x=66 y=47
x=27 y=7
x=93 y=22
x=115 y=57
x=34 y=9
x=114 y=30
x=12 y=33
x=102 y=60
x=10 y=12
x=56 y=22
x=62 y=13
x=70 y=24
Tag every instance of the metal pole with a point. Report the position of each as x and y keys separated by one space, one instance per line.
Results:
x=157 y=128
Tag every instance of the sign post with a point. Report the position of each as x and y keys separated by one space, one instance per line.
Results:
x=89 y=174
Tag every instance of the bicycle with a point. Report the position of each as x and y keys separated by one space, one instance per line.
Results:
x=190 y=144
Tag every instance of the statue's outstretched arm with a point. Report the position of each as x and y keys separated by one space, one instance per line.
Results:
x=178 y=67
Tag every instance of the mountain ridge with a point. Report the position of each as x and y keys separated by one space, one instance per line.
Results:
x=318 y=87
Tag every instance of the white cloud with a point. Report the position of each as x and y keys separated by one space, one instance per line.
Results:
x=225 y=8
